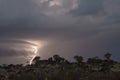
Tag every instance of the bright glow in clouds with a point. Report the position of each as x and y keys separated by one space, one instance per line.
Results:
x=55 y=3
x=26 y=49
x=56 y=7
x=35 y=50
x=42 y=1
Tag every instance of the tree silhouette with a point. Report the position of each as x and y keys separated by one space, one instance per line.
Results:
x=94 y=63
x=79 y=59
x=92 y=69
x=36 y=60
x=50 y=60
x=108 y=63
x=108 y=56
x=57 y=59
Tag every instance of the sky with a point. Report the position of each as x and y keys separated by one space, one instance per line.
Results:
x=30 y=28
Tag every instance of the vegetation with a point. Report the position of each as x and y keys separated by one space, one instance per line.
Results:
x=58 y=68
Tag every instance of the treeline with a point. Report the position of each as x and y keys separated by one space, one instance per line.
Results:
x=58 y=68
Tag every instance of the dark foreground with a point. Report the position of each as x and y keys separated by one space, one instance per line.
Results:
x=58 y=68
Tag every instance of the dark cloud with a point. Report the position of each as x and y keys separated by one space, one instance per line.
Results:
x=6 y=52
x=15 y=10
x=94 y=30
x=89 y=7
x=107 y=8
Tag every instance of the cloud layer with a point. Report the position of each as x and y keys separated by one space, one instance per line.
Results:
x=70 y=27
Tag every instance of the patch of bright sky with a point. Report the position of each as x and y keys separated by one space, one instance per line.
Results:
x=55 y=3
x=56 y=7
x=42 y=1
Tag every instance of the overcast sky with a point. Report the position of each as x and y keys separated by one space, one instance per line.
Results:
x=66 y=27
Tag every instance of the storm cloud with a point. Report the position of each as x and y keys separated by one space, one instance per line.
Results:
x=69 y=27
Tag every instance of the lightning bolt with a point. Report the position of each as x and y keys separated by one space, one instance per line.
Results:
x=35 y=48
